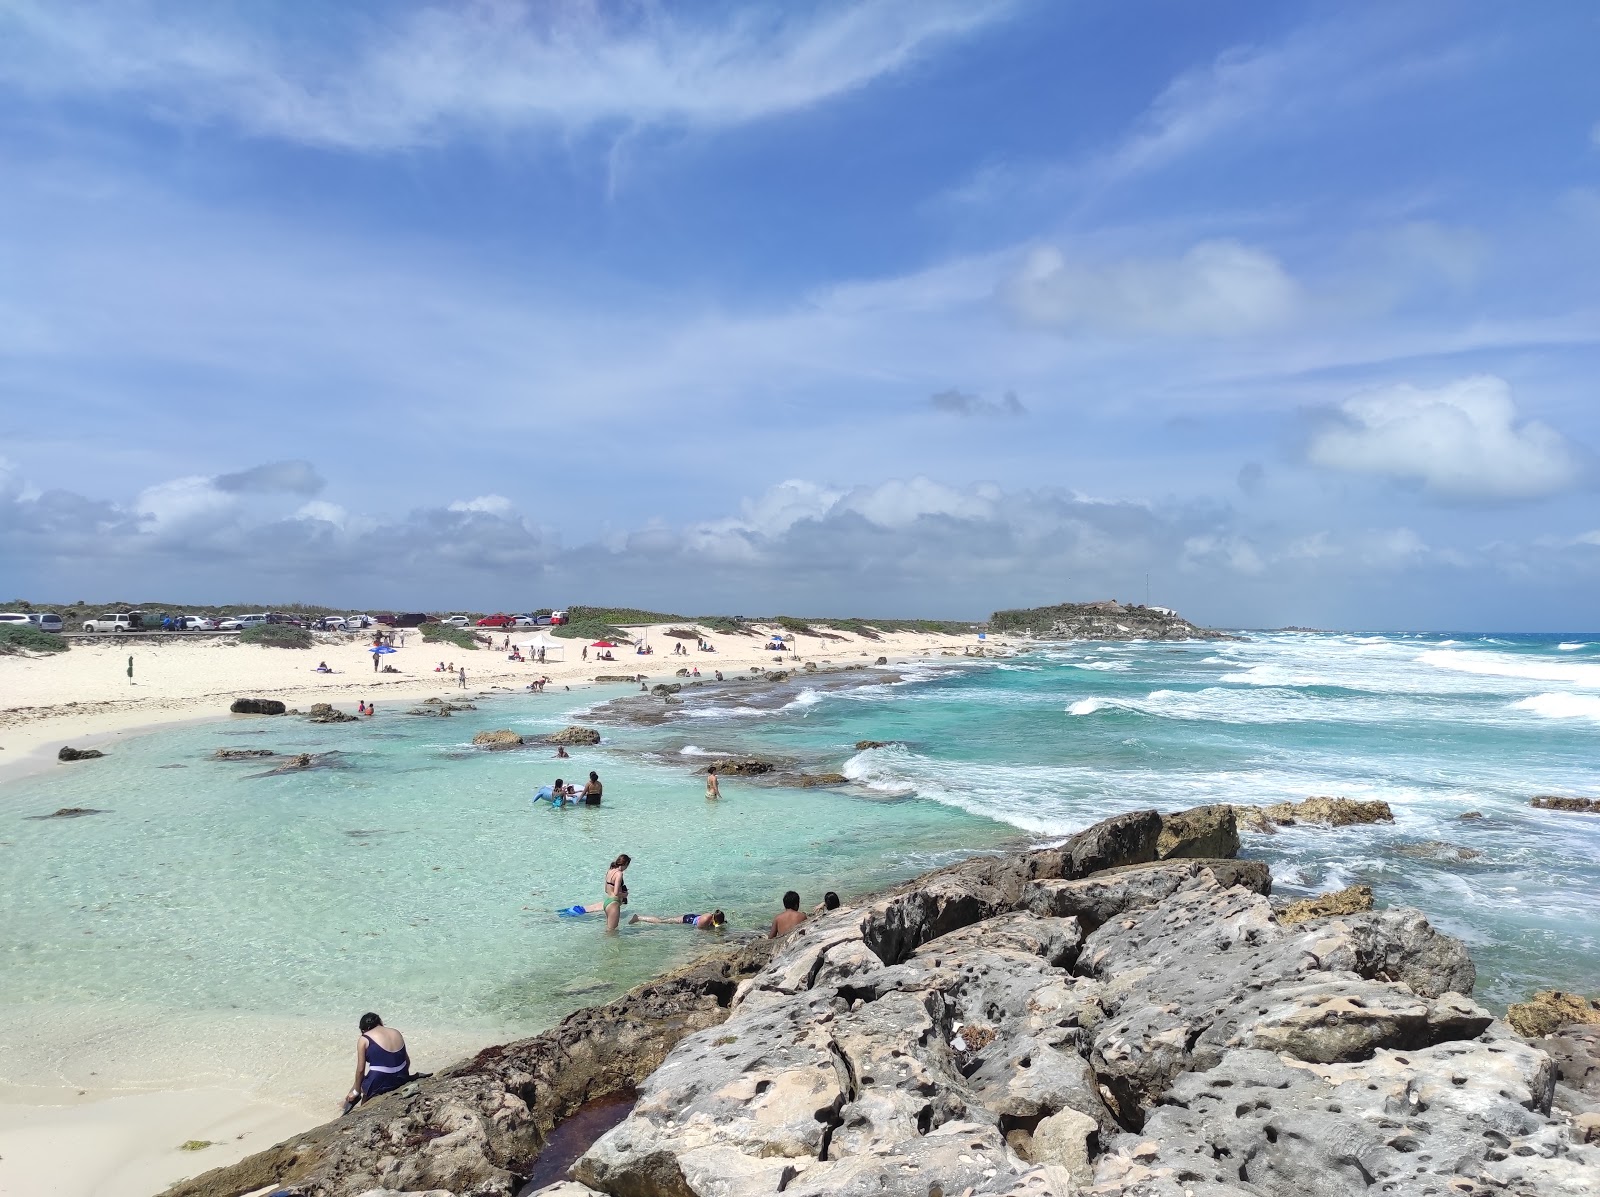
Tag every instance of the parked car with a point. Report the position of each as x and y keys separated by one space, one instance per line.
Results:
x=16 y=617
x=558 y=617
x=127 y=621
x=197 y=623
x=357 y=622
x=240 y=623
x=45 y=621
x=496 y=621
x=542 y=621
x=455 y=621
x=330 y=623
x=524 y=621
x=292 y=621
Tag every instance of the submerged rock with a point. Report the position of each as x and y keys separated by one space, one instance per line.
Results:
x=811 y=781
x=504 y=738
x=322 y=712
x=1549 y=1010
x=257 y=706
x=748 y=766
x=78 y=754
x=241 y=754
x=1350 y=900
x=574 y=735
x=1437 y=850
x=863 y=745
x=1587 y=806
x=69 y=812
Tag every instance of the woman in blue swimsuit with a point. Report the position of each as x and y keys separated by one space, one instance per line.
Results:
x=382 y=1062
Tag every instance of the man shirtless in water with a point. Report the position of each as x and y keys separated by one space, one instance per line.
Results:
x=790 y=918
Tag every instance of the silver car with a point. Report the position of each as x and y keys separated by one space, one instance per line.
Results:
x=46 y=621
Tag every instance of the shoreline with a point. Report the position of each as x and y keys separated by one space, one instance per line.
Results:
x=124 y=1140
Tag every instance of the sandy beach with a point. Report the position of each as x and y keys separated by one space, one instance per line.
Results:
x=100 y=1126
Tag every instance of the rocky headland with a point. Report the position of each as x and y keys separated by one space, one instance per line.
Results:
x=1104 y=620
x=1127 y=1015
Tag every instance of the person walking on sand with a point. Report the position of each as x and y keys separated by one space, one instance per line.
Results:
x=616 y=891
x=374 y=662
x=463 y=677
x=713 y=786
x=789 y=918
x=585 y=652
x=130 y=671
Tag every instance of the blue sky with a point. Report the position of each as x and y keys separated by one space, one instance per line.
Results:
x=879 y=308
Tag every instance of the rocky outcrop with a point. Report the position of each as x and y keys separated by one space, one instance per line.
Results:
x=863 y=745
x=1173 y=1037
x=1104 y=620
x=744 y=766
x=257 y=706
x=619 y=677
x=78 y=754
x=812 y=781
x=494 y=740
x=1437 y=850
x=574 y=735
x=1549 y=1010
x=1350 y=900
x=1586 y=806
x=881 y=661
x=1322 y=812
x=241 y=754
x=322 y=712
x=1205 y=831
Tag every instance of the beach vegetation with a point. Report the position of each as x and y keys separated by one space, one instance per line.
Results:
x=927 y=627
x=433 y=633
x=276 y=635
x=592 y=629
x=727 y=625
x=617 y=616
x=17 y=638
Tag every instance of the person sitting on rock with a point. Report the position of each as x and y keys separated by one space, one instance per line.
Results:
x=382 y=1062
x=830 y=901
x=790 y=917
x=701 y=922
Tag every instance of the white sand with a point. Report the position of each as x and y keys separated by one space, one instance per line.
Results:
x=107 y=1142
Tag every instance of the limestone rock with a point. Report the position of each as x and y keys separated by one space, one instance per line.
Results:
x=776 y=675
x=1205 y=831
x=240 y=754
x=1067 y=1138
x=322 y=712
x=69 y=812
x=495 y=740
x=811 y=781
x=1103 y=896
x=257 y=706
x=574 y=735
x=1588 y=806
x=1350 y=900
x=1324 y=812
x=749 y=766
x=78 y=754
x=863 y=745
x=1549 y=1010
x=881 y=661
x=1437 y=850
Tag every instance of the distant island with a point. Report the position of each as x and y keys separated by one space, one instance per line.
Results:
x=1103 y=620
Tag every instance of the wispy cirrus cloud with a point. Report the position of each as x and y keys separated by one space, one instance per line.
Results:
x=434 y=71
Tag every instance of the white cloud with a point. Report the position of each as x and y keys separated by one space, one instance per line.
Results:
x=490 y=504
x=416 y=78
x=1460 y=440
x=1217 y=288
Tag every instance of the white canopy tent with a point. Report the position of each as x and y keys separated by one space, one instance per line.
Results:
x=554 y=650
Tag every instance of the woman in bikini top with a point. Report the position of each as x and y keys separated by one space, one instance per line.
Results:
x=616 y=891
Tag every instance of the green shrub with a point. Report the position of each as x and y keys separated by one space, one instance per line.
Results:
x=18 y=638
x=276 y=635
x=448 y=634
x=592 y=629
x=619 y=615
x=728 y=625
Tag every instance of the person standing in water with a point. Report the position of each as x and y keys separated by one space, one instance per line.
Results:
x=713 y=786
x=592 y=790
x=616 y=891
x=382 y=1062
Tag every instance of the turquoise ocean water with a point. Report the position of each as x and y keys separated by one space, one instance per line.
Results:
x=218 y=924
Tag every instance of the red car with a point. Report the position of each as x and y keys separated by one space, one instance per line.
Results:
x=497 y=621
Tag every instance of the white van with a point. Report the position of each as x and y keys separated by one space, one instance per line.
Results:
x=46 y=621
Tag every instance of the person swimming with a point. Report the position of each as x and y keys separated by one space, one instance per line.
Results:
x=382 y=1061
x=701 y=922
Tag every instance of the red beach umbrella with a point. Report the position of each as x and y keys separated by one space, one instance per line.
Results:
x=602 y=644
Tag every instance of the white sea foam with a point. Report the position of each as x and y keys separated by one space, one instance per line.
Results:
x=696 y=750
x=1102 y=666
x=1086 y=706
x=1504 y=665
x=806 y=698
x=1561 y=706
x=1571 y=646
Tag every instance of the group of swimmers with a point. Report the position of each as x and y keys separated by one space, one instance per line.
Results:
x=560 y=794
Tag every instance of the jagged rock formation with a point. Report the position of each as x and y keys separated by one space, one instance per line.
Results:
x=1087 y=1018
x=1104 y=620
x=241 y=754
x=322 y=712
x=1585 y=806
x=492 y=740
x=1547 y=1011
x=78 y=754
x=1321 y=812
x=257 y=706
x=574 y=735
x=1351 y=900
